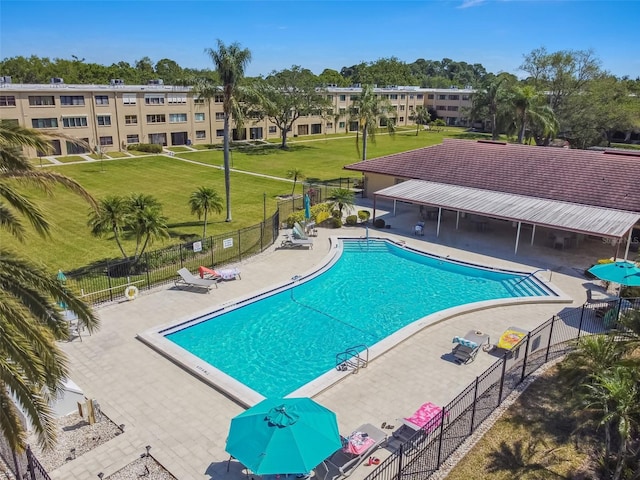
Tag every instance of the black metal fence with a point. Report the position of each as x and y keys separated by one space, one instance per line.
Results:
x=425 y=452
x=318 y=192
x=107 y=281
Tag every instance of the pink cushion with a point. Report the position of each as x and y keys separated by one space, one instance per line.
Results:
x=358 y=443
x=425 y=414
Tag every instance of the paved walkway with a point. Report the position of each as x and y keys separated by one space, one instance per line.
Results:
x=186 y=422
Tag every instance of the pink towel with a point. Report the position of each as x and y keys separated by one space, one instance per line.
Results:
x=425 y=414
x=357 y=443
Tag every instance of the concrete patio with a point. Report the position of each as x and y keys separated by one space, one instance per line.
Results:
x=186 y=421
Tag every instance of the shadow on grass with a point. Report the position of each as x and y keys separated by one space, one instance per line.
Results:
x=269 y=149
x=532 y=460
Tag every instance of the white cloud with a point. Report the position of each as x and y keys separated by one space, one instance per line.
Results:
x=471 y=3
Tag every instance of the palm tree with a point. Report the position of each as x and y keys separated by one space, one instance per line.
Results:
x=296 y=174
x=111 y=216
x=230 y=62
x=530 y=108
x=146 y=221
x=490 y=100
x=341 y=198
x=421 y=116
x=367 y=110
x=203 y=200
x=32 y=367
x=593 y=354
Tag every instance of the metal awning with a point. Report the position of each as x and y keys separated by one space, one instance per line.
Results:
x=573 y=217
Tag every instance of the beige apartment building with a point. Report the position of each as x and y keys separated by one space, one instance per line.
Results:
x=111 y=117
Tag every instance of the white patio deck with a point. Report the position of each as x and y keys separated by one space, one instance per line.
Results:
x=186 y=421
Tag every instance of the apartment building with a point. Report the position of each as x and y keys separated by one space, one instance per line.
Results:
x=111 y=117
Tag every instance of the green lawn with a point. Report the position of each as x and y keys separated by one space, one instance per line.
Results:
x=70 y=158
x=172 y=181
x=116 y=154
x=169 y=180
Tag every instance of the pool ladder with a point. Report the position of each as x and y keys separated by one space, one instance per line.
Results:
x=353 y=359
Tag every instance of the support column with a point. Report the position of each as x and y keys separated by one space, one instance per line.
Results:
x=457 y=219
x=375 y=197
x=394 y=206
x=626 y=251
x=533 y=234
x=517 y=238
x=439 y=217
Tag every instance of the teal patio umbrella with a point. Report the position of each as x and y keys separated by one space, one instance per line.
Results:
x=62 y=278
x=624 y=273
x=307 y=206
x=283 y=436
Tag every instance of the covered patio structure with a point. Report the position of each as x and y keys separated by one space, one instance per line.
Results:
x=573 y=219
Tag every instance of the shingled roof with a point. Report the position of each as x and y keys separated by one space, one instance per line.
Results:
x=603 y=179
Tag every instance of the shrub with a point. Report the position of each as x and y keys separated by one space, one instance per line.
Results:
x=379 y=223
x=336 y=214
x=146 y=147
x=335 y=223
x=364 y=215
x=322 y=217
x=295 y=217
x=351 y=220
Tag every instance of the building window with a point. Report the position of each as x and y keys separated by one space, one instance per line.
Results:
x=154 y=99
x=419 y=96
x=329 y=125
x=130 y=119
x=342 y=111
x=272 y=129
x=452 y=108
x=7 y=101
x=411 y=108
x=442 y=97
x=330 y=98
x=199 y=117
x=219 y=115
x=177 y=117
x=102 y=100
x=411 y=97
x=402 y=96
x=160 y=118
x=402 y=119
x=343 y=98
x=341 y=125
x=218 y=98
x=71 y=100
x=465 y=97
x=431 y=96
x=74 y=122
x=44 y=122
x=104 y=120
x=201 y=134
x=158 y=139
x=74 y=148
x=402 y=108
x=198 y=100
x=40 y=100
x=106 y=141
x=454 y=97
x=220 y=133
x=353 y=97
x=393 y=96
x=177 y=98
x=129 y=99
x=133 y=139
x=441 y=107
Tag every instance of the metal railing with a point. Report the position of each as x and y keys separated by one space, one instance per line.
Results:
x=425 y=452
x=106 y=281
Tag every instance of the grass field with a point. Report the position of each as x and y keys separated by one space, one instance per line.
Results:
x=538 y=437
x=172 y=181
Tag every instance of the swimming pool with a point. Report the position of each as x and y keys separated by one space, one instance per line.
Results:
x=280 y=341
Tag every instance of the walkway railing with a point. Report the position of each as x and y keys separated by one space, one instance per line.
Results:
x=424 y=453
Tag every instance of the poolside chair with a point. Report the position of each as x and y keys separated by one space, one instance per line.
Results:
x=356 y=447
x=467 y=347
x=189 y=280
x=299 y=232
x=511 y=338
x=220 y=274
x=292 y=242
x=418 y=426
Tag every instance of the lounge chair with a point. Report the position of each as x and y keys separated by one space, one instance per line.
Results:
x=220 y=274
x=467 y=347
x=424 y=421
x=356 y=447
x=292 y=242
x=511 y=338
x=189 y=280
x=299 y=232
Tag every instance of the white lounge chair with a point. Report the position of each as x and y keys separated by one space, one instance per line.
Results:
x=292 y=242
x=364 y=440
x=189 y=280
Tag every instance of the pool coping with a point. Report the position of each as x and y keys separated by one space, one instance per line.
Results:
x=237 y=391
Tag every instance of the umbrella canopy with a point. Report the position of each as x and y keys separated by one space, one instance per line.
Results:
x=624 y=273
x=283 y=436
x=307 y=206
x=61 y=276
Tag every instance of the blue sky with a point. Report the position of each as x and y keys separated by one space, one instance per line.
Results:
x=323 y=34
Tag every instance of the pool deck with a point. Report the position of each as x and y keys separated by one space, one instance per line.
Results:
x=186 y=422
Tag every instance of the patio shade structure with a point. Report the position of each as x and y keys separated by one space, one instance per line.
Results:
x=283 y=436
x=624 y=273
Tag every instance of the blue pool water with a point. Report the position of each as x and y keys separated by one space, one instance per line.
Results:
x=283 y=341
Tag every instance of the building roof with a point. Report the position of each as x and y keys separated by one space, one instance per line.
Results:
x=536 y=211
x=602 y=179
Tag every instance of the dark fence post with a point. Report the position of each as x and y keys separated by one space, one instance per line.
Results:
x=475 y=401
x=581 y=319
x=109 y=281
x=553 y=321
x=211 y=248
x=442 y=414
x=239 y=249
x=30 y=467
x=504 y=369
x=146 y=261
x=180 y=252
x=524 y=360
x=400 y=455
